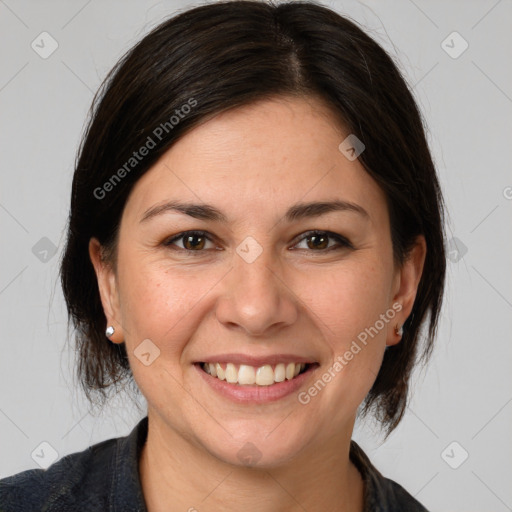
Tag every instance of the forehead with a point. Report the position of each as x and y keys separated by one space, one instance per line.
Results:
x=257 y=158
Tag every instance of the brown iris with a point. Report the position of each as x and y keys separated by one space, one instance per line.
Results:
x=319 y=241
x=191 y=238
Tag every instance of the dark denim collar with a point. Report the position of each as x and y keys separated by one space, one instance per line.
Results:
x=126 y=492
x=375 y=493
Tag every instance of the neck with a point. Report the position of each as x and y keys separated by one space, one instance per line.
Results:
x=176 y=472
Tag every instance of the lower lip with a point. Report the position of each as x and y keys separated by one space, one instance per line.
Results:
x=256 y=394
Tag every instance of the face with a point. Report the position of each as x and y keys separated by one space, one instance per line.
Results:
x=257 y=279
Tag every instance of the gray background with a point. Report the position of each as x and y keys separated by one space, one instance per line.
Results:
x=465 y=393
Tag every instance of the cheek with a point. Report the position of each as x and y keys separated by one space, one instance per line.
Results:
x=158 y=305
x=161 y=303
x=351 y=298
x=356 y=316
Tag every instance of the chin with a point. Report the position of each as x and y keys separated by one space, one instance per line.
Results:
x=257 y=452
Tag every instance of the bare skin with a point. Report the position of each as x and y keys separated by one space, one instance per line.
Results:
x=201 y=298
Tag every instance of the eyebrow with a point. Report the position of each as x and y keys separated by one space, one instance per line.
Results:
x=296 y=212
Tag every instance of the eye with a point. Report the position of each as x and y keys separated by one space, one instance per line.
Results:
x=318 y=241
x=193 y=241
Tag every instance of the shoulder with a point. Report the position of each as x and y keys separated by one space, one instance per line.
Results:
x=381 y=494
x=81 y=478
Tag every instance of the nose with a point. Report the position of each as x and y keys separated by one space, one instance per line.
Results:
x=256 y=298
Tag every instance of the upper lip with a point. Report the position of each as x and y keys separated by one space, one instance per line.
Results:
x=256 y=361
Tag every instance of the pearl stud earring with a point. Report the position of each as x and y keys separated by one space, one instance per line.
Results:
x=109 y=331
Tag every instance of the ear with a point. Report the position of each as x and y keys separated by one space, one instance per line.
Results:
x=405 y=286
x=107 y=285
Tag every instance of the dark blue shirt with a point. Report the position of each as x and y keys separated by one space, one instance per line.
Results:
x=105 y=478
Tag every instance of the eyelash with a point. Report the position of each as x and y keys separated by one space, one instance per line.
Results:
x=342 y=241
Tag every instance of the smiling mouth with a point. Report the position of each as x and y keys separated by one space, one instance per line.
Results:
x=265 y=375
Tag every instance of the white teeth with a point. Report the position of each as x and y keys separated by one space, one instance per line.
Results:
x=279 y=373
x=246 y=374
x=265 y=375
x=220 y=372
x=290 y=371
x=231 y=373
x=249 y=375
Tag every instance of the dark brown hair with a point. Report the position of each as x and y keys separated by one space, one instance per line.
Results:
x=221 y=56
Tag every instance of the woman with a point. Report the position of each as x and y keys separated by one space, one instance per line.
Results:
x=255 y=239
